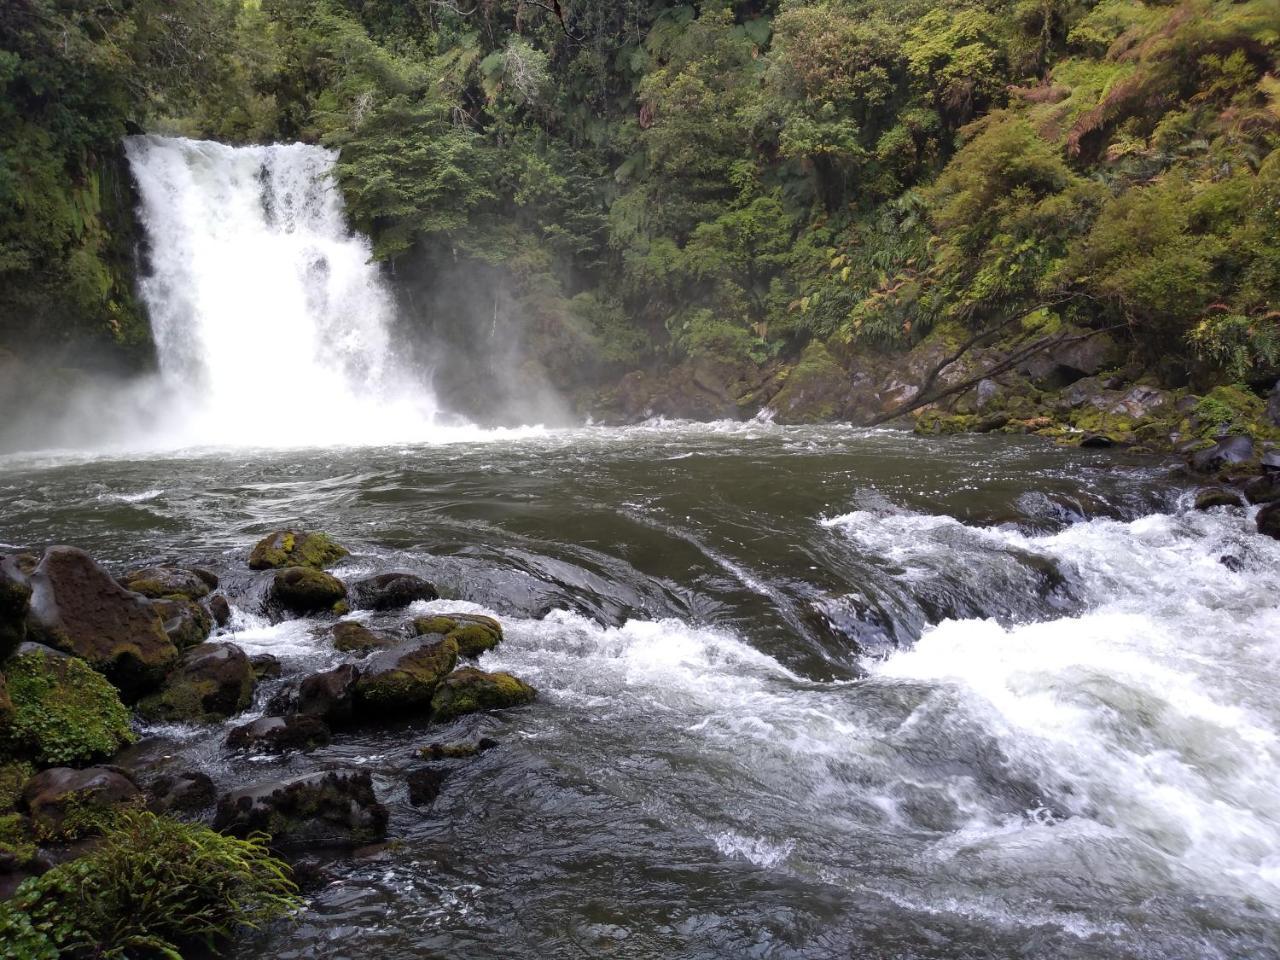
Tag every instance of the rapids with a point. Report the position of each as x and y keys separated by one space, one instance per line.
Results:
x=804 y=691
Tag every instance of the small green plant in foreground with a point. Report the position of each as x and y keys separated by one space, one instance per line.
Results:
x=153 y=886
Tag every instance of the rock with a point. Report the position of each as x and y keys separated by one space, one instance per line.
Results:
x=391 y=591
x=220 y=610
x=295 y=548
x=456 y=751
x=473 y=633
x=168 y=583
x=469 y=690
x=1263 y=489
x=1231 y=562
x=65 y=803
x=424 y=785
x=15 y=597
x=330 y=695
x=212 y=682
x=404 y=678
x=186 y=792
x=352 y=637
x=1226 y=451
x=1097 y=441
x=1089 y=356
x=304 y=590
x=76 y=606
x=279 y=734
x=987 y=390
x=336 y=807
x=1273 y=405
x=62 y=711
x=815 y=389
x=1211 y=497
x=1270 y=461
x=186 y=623
x=265 y=666
x=1269 y=520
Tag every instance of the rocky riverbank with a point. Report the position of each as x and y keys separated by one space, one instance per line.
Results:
x=90 y=661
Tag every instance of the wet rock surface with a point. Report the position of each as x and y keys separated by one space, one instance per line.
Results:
x=390 y=591
x=213 y=681
x=295 y=548
x=302 y=590
x=329 y=808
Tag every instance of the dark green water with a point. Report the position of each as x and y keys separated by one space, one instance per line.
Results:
x=804 y=692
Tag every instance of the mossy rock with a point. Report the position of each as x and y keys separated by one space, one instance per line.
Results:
x=814 y=390
x=403 y=679
x=13 y=775
x=63 y=711
x=333 y=807
x=473 y=633
x=350 y=636
x=65 y=803
x=470 y=690
x=939 y=422
x=295 y=548
x=214 y=681
x=15 y=597
x=170 y=583
x=78 y=607
x=186 y=623
x=18 y=848
x=306 y=590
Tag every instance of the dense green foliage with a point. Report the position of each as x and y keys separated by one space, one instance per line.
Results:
x=655 y=179
x=151 y=888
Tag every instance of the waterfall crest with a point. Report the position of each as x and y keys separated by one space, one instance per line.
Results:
x=271 y=324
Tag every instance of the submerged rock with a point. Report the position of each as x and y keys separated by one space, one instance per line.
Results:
x=185 y=792
x=295 y=548
x=265 y=666
x=304 y=590
x=65 y=803
x=336 y=807
x=212 y=682
x=279 y=734
x=170 y=583
x=1211 y=497
x=186 y=623
x=469 y=690
x=404 y=678
x=391 y=591
x=220 y=609
x=61 y=711
x=78 y=607
x=473 y=633
x=456 y=751
x=424 y=784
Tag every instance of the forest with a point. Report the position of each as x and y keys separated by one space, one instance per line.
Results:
x=754 y=186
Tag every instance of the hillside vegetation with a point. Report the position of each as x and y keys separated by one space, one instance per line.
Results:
x=652 y=183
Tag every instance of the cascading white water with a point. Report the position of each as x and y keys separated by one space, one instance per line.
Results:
x=271 y=324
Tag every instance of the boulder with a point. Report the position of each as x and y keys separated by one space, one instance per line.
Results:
x=1226 y=451
x=169 y=583
x=391 y=591
x=295 y=548
x=265 y=666
x=469 y=690
x=329 y=696
x=814 y=390
x=1270 y=462
x=1211 y=497
x=212 y=682
x=473 y=633
x=1263 y=489
x=1269 y=520
x=187 y=792
x=403 y=679
x=219 y=609
x=65 y=803
x=424 y=784
x=279 y=734
x=15 y=598
x=62 y=712
x=76 y=606
x=304 y=590
x=336 y=807
x=186 y=623
x=352 y=637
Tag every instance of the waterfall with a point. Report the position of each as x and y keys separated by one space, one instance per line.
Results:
x=271 y=324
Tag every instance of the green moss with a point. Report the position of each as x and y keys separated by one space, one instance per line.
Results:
x=1230 y=410
x=17 y=844
x=473 y=633
x=292 y=548
x=64 y=712
x=937 y=422
x=409 y=685
x=469 y=690
x=307 y=590
x=12 y=778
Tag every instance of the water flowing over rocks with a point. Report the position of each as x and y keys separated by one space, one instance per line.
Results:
x=390 y=591
x=213 y=681
x=403 y=679
x=332 y=808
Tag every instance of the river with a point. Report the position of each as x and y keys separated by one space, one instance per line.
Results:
x=803 y=691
